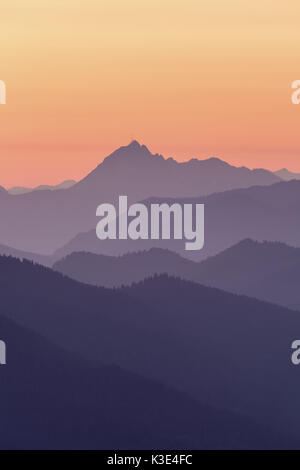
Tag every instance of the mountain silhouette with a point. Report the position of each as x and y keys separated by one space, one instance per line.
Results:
x=287 y=175
x=133 y=170
x=230 y=352
x=51 y=399
x=41 y=259
x=23 y=190
x=260 y=213
x=111 y=271
x=268 y=270
x=43 y=221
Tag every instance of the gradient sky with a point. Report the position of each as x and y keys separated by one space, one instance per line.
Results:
x=188 y=78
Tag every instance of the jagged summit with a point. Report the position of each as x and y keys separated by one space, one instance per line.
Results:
x=136 y=150
x=132 y=151
x=134 y=144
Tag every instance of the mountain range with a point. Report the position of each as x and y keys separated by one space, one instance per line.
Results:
x=226 y=351
x=23 y=190
x=53 y=399
x=287 y=175
x=43 y=221
x=265 y=270
x=260 y=213
x=45 y=260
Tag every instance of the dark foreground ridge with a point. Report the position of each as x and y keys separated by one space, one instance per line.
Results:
x=228 y=352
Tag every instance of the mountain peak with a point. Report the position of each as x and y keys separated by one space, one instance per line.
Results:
x=130 y=152
x=134 y=144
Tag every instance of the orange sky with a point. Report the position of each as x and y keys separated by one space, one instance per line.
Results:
x=188 y=78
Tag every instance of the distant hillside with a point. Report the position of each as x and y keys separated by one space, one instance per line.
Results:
x=231 y=352
x=287 y=175
x=267 y=270
x=16 y=190
x=41 y=259
x=110 y=271
x=43 y=221
x=50 y=399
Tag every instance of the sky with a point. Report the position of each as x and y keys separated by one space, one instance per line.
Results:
x=187 y=78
